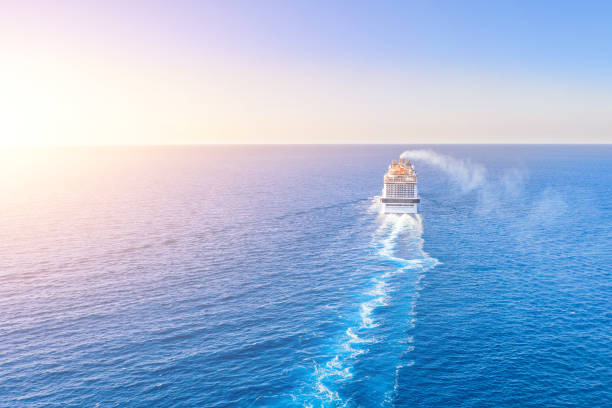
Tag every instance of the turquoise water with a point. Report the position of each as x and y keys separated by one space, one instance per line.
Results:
x=265 y=276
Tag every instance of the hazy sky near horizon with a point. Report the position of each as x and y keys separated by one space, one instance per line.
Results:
x=158 y=72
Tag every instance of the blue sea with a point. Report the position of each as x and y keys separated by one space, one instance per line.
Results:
x=264 y=276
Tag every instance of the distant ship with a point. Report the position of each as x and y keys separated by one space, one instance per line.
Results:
x=399 y=195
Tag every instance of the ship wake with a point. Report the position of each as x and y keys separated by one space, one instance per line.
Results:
x=374 y=334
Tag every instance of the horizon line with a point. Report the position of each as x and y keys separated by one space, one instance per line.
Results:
x=295 y=144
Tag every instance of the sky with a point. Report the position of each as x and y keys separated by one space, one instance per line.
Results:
x=201 y=72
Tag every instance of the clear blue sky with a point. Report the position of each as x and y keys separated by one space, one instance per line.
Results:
x=311 y=71
x=568 y=38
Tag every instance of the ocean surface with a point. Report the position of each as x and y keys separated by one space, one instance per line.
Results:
x=251 y=276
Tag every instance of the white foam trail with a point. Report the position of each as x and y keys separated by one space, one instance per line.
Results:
x=391 y=227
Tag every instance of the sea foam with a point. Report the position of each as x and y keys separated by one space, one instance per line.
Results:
x=358 y=337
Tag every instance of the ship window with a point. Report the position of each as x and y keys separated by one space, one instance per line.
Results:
x=400 y=190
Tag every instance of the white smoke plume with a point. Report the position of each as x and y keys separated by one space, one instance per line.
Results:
x=494 y=193
x=467 y=175
x=491 y=191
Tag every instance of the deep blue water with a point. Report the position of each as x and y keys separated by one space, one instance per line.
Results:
x=264 y=276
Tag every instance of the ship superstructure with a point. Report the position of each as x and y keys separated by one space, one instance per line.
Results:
x=400 y=193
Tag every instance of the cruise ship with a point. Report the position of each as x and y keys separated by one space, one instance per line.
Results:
x=399 y=195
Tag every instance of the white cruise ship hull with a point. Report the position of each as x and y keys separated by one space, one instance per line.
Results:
x=399 y=205
x=399 y=194
x=399 y=209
